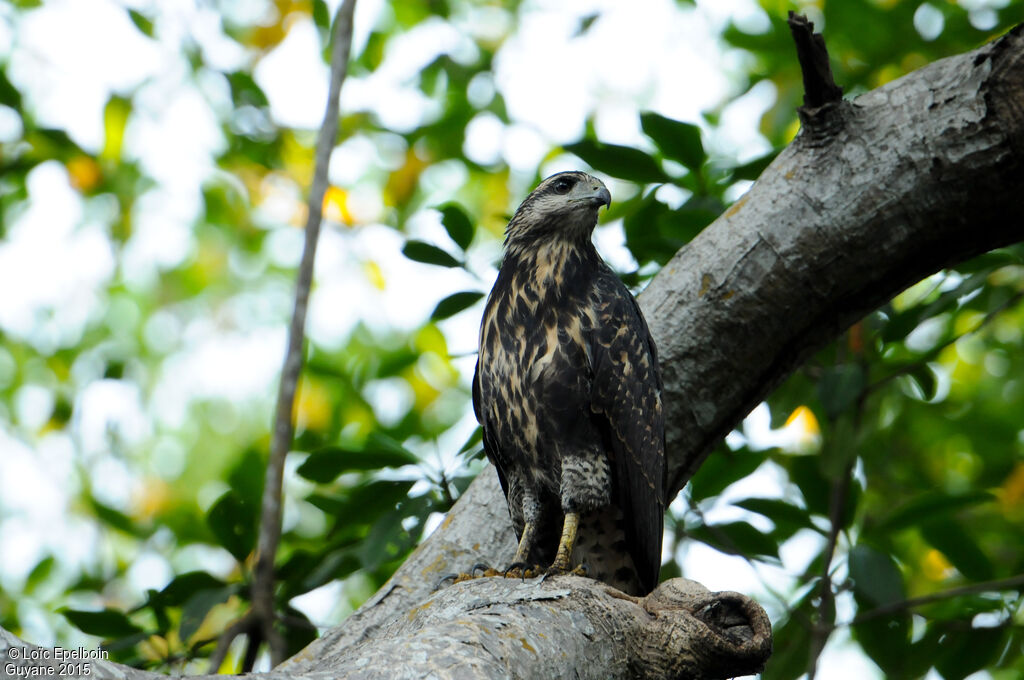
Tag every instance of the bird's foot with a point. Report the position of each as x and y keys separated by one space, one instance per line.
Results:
x=522 y=570
x=557 y=570
x=485 y=570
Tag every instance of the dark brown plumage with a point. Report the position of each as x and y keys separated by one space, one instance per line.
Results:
x=568 y=391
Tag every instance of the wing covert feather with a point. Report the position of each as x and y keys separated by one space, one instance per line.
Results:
x=626 y=391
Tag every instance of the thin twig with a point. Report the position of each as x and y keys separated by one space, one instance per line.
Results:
x=825 y=623
x=220 y=652
x=913 y=602
x=270 y=515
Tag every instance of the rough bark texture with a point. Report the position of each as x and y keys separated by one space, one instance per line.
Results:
x=873 y=195
x=561 y=627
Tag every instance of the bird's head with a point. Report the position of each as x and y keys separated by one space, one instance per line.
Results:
x=563 y=206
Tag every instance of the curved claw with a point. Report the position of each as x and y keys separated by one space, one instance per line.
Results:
x=447 y=577
x=482 y=566
x=581 y=570
x=521 y=566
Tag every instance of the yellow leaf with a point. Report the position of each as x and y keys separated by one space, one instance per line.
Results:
x=803 y=430
x=790 y=134
x=1011 y=493
x=402 y=182
x=154 y=648
x=335 y=206
x=298 y=158
x=312 y=405
x=935 y=566
x=375 y=275
x=115 y=119
x=152 y=499
x=84 y=173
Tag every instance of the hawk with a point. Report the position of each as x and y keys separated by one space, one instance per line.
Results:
x=568 y=391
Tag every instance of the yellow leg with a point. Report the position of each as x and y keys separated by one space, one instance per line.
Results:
x=525 y=543
x=568 y=540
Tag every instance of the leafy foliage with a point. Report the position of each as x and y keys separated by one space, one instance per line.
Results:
x=902 y=439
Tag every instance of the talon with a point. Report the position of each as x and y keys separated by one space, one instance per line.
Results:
x=522 y=570
x=452 y=577
x=520 y=567
x=482 y=567
x=555 y=570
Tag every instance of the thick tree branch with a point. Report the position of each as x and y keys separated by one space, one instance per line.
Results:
x=924 y=172
x=562 y=627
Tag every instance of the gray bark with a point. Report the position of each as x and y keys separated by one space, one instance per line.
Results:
x=873 y=195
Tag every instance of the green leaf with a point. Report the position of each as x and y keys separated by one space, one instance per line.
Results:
x=234 y=524
x=876 y=579
x=362 y=504
x=929 y=506
x=473 y=441
x=247 y=476
x=806 y=473
x=116 y=519
x=305 y=571
x=198 y=606
x=840 y=387
x=9 y=95
x=736 y=538
x=989 y=261
x=786 y=517
x=457 y=223
x=185 y=585
x=142 y=22
x=623 y=162
x=321 y=14
x=455 y=303
x=878 y=582
x=384 y=540
x=791 y=644
x=426 y=253
x=900 y=324
x=791 y=639
x=107 y=623
x=326 y=464
x=924 y=378
x=677 y=140
x=949 y=537
x=722 y=468
x=245 y=91
x=39 y=573
x=964 y=651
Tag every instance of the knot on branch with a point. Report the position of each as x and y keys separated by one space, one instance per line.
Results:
x=822 y=113
x=694 y=633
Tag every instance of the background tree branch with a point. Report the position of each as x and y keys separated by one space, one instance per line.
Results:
x=263 y=607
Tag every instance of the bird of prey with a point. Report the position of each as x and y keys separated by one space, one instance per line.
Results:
x=568 y=391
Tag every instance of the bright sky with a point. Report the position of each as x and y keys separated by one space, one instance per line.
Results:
x=69 y=56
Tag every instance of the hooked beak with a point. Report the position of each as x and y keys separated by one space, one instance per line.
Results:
x=602 y=196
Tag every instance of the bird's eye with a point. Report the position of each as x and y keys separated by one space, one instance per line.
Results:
x=563 y=185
